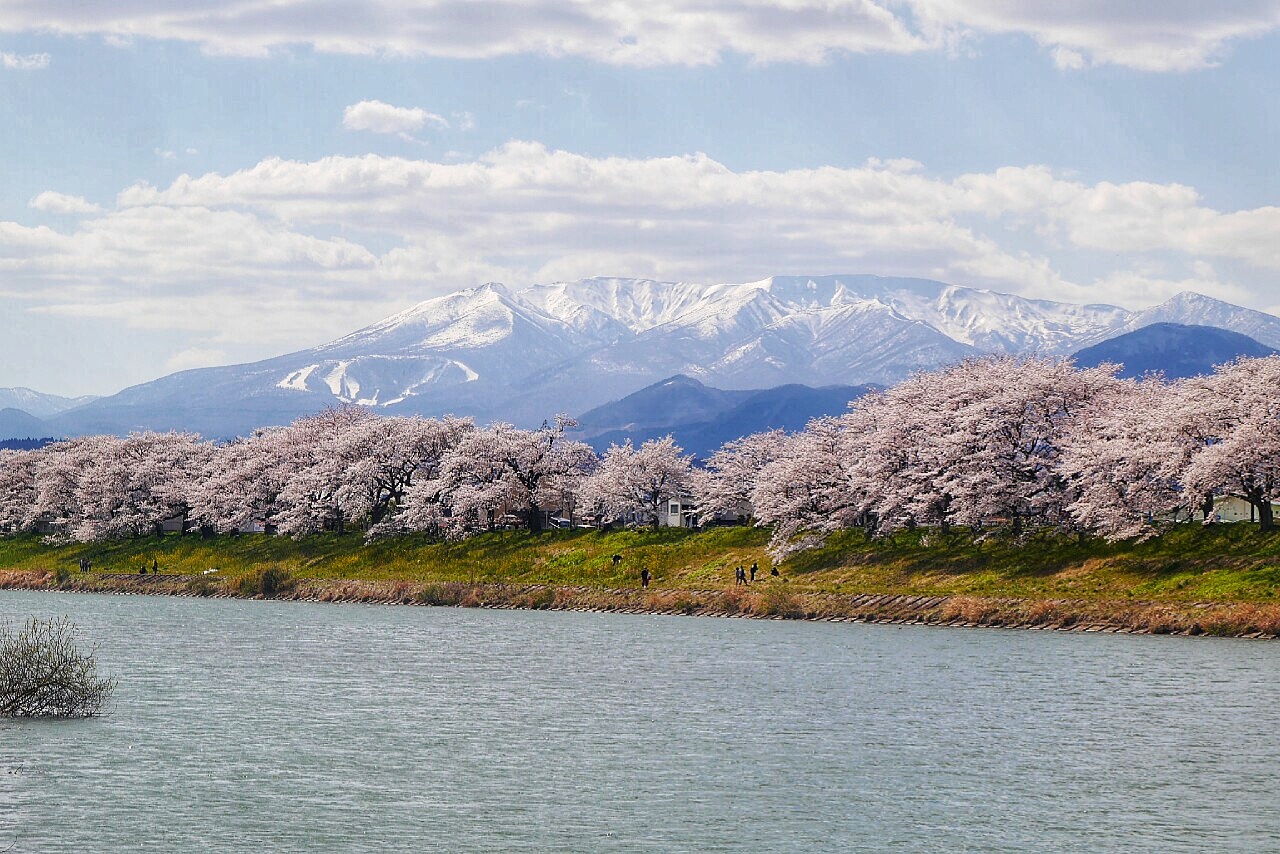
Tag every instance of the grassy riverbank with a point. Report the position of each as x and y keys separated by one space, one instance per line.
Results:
x=1231 y=570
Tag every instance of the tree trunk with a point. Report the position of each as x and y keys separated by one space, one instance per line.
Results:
x=535 y=519
x=1266 y=517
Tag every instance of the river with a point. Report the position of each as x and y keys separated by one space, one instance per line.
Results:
x=242 y=725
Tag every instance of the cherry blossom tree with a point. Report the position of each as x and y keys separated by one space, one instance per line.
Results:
x=1239 y=406
x=725 y=486
x=137 y=483
x=242 y=482
x=805 y=494
x=985 y=439
x=1125 y=456
x=493 y=471
x=385 y=455
x=59 y=472
x=18 y=488
x=319 y=452
x=638 y=482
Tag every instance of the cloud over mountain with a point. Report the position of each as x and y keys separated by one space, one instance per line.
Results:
x=324 y=243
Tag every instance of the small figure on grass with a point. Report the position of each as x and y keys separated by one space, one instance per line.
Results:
x=774 y=572
x=644 y=578
x=755 y=567
x=155 y=567
x=617 y=559
x=739 y=576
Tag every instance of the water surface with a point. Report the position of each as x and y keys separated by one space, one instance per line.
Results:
x=290 y=726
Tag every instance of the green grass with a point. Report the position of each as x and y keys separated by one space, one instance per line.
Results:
x=1225 y=563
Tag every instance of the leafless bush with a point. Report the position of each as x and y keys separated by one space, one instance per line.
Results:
x=42 y=674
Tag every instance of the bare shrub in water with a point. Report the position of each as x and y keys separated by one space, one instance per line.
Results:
x=42 y=674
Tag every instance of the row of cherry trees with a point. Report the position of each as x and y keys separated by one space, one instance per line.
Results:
x=340 y=468
x=1024 y=443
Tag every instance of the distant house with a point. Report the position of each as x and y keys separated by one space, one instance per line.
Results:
x=1233 y=508
x=254 y=526
x=679 y=512
x=48 y=523
x=682 y=512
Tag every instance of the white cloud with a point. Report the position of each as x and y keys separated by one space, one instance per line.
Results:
x=60 y=203
x=380 y=117
x=689 y=32
x=1149 y=35
x=1153 y=35
x=228 y=256
x=28 y=62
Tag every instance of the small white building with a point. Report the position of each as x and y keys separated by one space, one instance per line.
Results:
x=681 y=512
x=1233 y=508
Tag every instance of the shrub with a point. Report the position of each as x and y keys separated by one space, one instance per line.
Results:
x=268 y=583
x=968 y=608
x=200 y=587
x=42 y=674
x=440 y=594
x=777 y=601
x=541 y=599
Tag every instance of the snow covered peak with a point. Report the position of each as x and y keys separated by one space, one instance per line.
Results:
x=1193 y=309
x=522 y=355
x=474 y=317
x=637 y=304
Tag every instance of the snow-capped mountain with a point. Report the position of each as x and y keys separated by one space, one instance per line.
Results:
x=569 y=346
x=37 y=403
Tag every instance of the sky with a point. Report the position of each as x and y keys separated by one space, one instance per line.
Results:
x=186 y=183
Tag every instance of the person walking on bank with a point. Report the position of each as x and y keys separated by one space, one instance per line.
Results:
x=774 y=572
x=755 y=567
x=155 y=567
x=644 y=579
x=739 y=576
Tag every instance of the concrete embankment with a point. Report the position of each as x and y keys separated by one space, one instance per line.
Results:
x=768 y=600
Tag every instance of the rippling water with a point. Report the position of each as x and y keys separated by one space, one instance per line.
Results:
x=288 y=726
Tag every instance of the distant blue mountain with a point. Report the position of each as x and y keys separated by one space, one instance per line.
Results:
x=702 y=418
x=1176 y=349
x=17 y=423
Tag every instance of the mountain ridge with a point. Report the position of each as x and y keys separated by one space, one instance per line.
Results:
x=1175 y=350
x=522 y=355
